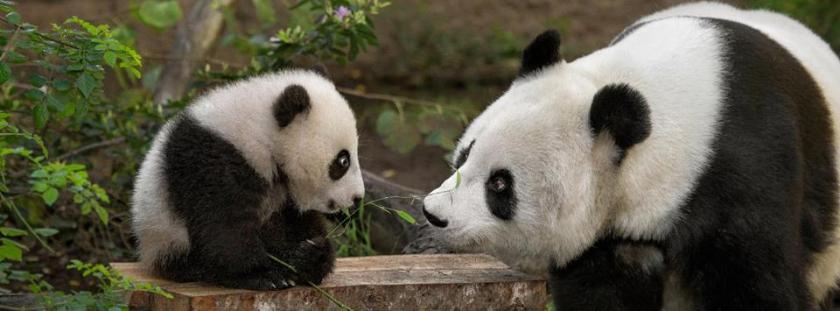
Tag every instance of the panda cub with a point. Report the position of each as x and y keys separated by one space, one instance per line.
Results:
x=245 y=173
x=691 y=164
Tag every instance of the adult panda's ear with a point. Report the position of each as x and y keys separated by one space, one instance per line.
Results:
x=544 y=51
x=293 y=101
x=623 y=112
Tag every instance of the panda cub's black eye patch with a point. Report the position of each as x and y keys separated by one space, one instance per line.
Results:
x=501 y=199
x=340 y=165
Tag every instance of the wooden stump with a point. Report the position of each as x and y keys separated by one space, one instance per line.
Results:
x=404 y=282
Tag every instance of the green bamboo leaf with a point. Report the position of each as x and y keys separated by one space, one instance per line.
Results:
x=457 y=178
x=406 y=216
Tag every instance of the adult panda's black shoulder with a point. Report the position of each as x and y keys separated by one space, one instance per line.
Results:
x=691 y=164
x=243 y=174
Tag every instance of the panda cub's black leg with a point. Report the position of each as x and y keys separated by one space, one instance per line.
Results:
x=300 y=240
x=612 y=275
x=231 y=254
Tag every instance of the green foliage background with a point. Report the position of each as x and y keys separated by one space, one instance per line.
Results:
x=822 y=16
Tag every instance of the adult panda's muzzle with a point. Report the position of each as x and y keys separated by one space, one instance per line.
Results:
x=434 y=220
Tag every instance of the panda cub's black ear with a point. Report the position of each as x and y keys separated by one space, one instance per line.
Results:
x=293 y=101
x=321 y=70
x=623 y=111
x=544 y=51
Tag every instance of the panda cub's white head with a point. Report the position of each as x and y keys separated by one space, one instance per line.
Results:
x=531 y=166
x=294 y=127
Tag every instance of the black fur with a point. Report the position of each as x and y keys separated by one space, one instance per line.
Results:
x=544 y=51
x=611 y=275
x=464 y=155
x=623 y=111
x=217 y=195
x=763 y=207
x=293 y=101
x=502 y=202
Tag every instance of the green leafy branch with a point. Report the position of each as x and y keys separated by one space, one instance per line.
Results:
x=111 y=283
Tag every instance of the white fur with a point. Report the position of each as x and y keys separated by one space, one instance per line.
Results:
x=241 y=113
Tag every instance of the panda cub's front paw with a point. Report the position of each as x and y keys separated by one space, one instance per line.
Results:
x=315 y=260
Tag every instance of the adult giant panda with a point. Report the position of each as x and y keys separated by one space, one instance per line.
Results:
x=244 y=173
x=689 y=165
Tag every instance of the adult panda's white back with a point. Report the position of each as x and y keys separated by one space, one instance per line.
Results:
x=812 y=52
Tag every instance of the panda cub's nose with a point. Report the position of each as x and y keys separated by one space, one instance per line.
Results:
x=357 y=201
x=434 y=220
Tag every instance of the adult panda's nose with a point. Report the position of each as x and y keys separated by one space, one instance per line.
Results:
x=434 y=220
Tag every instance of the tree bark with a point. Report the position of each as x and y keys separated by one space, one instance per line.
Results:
x=195 y=36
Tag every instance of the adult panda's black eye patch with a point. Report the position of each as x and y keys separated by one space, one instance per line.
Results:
x=340 y=165
x=500 y=195
x=463 y=155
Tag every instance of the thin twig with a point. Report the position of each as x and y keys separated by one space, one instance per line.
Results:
x=326 y=294
x=386 y=97
x=371 y=177
x=101 y=144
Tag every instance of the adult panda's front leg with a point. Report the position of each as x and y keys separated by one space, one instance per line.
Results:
x=300 y=240
x=612 y=275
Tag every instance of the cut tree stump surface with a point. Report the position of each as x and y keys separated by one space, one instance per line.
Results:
x=402 y=282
